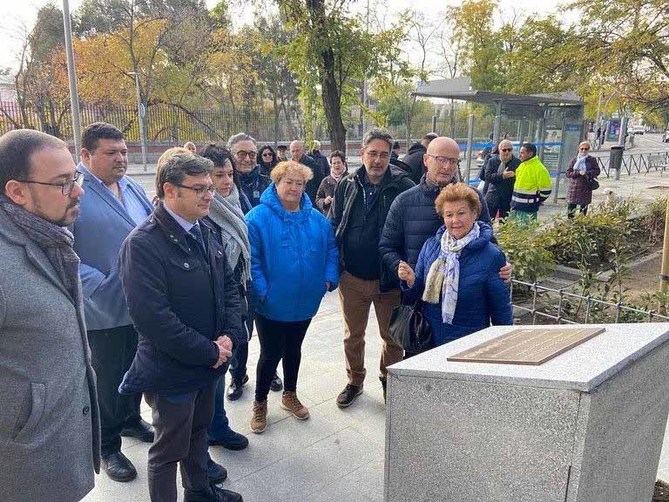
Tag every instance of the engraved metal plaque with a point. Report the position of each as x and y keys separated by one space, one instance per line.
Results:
x=532 y=346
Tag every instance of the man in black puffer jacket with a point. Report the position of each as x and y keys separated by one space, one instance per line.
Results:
x=414 y=157
x=413 y=219
x=361 y=204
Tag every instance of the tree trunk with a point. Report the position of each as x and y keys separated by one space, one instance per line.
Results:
x=332 y=103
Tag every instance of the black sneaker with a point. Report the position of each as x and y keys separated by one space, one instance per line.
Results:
x=384 y=384
x=236 y=390
x=277 y=384
x=348 y=395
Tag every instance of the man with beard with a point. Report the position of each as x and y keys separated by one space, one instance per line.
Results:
x=49 y=426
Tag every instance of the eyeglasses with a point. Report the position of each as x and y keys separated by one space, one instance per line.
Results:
x=66 y=187
x=584 y=149
x=378 y=155
x=506 y=149
x=267 y=154
x=241 y=154
x=199 y=190
x=444 y=160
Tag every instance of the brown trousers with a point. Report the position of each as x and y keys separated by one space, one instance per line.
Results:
x=356 y=297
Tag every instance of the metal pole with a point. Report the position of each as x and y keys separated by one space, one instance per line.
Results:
x=497 y=125
x=140 y=118
x=664 y=272
x=470 y=144
x=434 y=123
x=72 y=78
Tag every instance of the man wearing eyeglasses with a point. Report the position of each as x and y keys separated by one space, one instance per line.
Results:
x=49 y=423
x=500 y=174
x=413 y=219
x=361 y=204
x=251 y=181
x=114 y=205
x=185 y=303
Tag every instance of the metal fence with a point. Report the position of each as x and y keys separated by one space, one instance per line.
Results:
x=636 y=163
x=167 y=124
x=558 y=306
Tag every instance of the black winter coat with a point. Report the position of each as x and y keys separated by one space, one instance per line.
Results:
x=179 y=303
x=414 y=159
x=349 y=214
x=253 y=184
x=500 y=189
x=312 y=185
x=411 y=221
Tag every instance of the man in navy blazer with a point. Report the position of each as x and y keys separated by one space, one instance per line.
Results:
x=113 y=206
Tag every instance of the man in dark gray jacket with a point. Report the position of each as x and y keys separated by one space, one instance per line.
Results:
x=49 y=427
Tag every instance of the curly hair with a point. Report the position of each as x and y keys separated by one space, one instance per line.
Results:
x=290 y=166
x=457 y=192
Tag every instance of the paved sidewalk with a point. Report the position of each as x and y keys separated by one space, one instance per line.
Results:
x=336 y=455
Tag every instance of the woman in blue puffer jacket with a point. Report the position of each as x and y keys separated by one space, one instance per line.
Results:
x=294 y=261
x=457 y=274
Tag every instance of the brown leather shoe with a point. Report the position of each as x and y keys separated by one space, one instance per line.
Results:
x=290 y=402
x=259 y=420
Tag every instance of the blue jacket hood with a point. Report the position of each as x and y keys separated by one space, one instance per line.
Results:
x=270 y=198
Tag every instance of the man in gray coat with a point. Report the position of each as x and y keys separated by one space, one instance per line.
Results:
x=49 y=426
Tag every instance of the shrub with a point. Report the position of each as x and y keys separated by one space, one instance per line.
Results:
x=521 y=244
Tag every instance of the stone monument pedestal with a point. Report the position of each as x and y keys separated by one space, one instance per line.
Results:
x=585 y=426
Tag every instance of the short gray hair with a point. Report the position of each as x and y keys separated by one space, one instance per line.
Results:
x=378 y=133
x=178 y=166
x=240 y=136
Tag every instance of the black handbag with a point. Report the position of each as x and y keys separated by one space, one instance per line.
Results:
x=593 y=184
x=410 y=329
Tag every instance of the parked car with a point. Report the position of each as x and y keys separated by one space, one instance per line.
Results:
x=665 y=136
x=637 y=129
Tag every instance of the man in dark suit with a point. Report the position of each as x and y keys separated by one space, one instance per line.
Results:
x=185 y=304
x=114 y=205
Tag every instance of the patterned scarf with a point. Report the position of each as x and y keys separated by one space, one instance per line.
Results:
x=444 y=275
x=580 y=164
x=56 y=242
x=226 y=212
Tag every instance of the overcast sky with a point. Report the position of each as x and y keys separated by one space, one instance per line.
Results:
x=19 y=15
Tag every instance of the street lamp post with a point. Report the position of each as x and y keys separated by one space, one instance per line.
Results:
x=72 y=79
x=141 y=111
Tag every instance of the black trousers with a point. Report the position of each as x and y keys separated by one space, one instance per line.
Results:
x=279 y=340
x=112 y=352
x=181 y=424
x=571 y=209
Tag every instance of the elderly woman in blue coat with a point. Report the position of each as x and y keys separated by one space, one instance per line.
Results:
x=457 y=273
x=294 y=261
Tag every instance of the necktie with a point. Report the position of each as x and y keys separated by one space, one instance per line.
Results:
x=196 y=233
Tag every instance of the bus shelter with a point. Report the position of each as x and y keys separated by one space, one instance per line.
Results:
x=554 y=122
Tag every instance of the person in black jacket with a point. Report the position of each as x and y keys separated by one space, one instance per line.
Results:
x=414 y=157
x=361 y=203
x=320 y=159
x=298 y=154
x=266 y=159
x=500 y=175
x=413 y=219
x=185 y=304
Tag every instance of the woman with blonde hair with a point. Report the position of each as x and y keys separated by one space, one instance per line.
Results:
x=294 y=262
x=457 y=273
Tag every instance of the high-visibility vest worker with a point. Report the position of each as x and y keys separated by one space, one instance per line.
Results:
x=533 y=183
